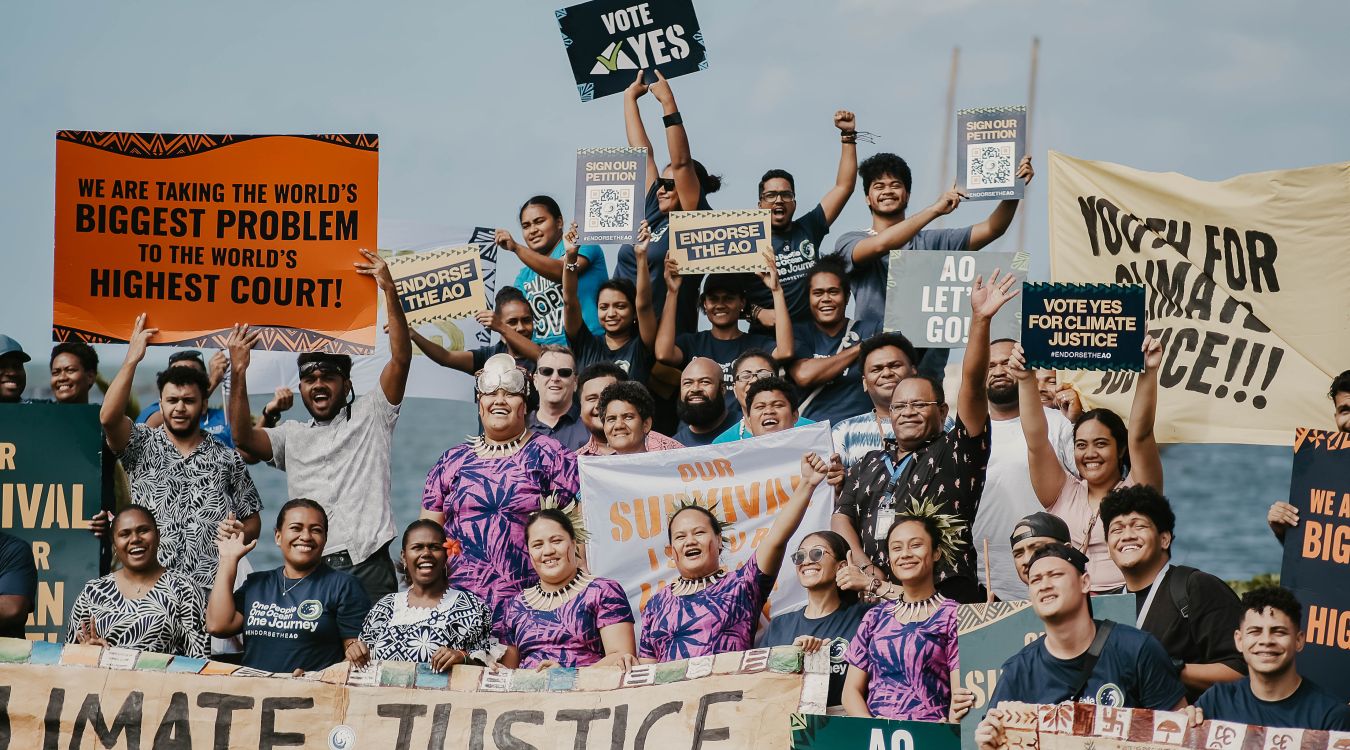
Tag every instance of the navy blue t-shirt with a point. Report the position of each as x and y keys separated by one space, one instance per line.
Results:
x=625 y=265
x=1309 y=707
x=688 y=438
x=480 y=356
x=18 y=575
x=723 y=352
x=838 y=628
x=844 y=396
x=633 y=357
x=795 y=251
x=290 y=624
x=1133 y=672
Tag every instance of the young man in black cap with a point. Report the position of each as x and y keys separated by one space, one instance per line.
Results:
x=13 y=379
x=1189 y=611
x=340 y=458
x=1079 y=659
x=1034 y=531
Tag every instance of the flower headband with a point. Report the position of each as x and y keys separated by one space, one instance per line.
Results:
x=573 y=513
x=950 y=527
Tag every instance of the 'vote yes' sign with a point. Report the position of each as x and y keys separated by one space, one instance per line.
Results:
x=609 y=41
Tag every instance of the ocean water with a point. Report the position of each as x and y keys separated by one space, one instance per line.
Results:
x=1220 y=492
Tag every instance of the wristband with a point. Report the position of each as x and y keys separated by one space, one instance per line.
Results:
x=672 y=119
x=572 y=267
x=874 y=586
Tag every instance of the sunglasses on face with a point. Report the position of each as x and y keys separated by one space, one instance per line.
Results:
x=563 y=372
x=667 y=184
x=815 y=554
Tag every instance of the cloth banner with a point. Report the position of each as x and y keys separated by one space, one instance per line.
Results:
x=627 y=499
x=1245 y=291
x=819 y=732
x=82 y=697
x=1084 y=726
x=204 y=231
x=51 y=483
x=989 y=634
x=1317 y=555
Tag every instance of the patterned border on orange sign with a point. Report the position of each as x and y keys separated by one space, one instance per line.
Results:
x=173 y=145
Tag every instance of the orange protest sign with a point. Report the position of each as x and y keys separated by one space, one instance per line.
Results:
x=204 y=231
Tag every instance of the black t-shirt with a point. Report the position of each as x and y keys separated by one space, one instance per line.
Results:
x=625 y=265
x=1205 y=636
x=1132 y=672
x=299 y=624
x=480 y=356
x=1309 y=707
x=688 y=438
x=795 y=251
x=844 y=396
x=18 y=575
x=838 y=628
x=633 y=357
x=723 y=352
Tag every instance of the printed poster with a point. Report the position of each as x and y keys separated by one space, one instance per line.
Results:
x=1083 y=326
x=990 y=143
x=821 y=732
x=611 y=194
x=609 y=41
x=204 y=231
x=721 y=241
x=928 y=295
x=445 y=284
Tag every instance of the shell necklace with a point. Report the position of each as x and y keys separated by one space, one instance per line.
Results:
x=547 y=601
x=486 y=447
x=686 y=586
x=915 y=611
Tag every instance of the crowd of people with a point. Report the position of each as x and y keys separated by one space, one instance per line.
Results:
x=1018 y=493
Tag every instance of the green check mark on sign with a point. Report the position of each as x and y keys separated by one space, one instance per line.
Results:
x=611 y=62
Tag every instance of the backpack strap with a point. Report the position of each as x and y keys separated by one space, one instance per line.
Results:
x=1094 y=653
x=1176 y=588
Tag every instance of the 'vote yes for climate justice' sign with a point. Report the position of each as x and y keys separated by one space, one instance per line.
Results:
x=720 y=241
x=1083 y=326
x=928 y=295
x=609 y=41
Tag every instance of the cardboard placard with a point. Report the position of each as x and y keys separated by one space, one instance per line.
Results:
x=609 y=41
x=1083 y=326
x=51 y=476
x=820 y=732
x=990 y=144
x=204 y=231
x=720 y=241
x=1316 y=564
x=611 y=194
x=928 y=295
x=442 y=284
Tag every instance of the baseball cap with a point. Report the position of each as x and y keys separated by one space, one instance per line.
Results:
x=187 y=354
x=10 y=346
x=1037 y=524
x=1064 y=552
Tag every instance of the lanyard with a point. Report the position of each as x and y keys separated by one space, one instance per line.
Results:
x=1148 y=600
x=896 y=470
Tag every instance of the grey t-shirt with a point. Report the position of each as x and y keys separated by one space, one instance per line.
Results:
x=344 y=466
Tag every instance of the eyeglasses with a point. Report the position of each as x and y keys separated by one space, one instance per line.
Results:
x=814 y=555
x=563 y=372
x=769 y=196
x=667 y=184
x=905 y=406
x=750 y=376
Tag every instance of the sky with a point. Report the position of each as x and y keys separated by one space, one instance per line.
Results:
x=476 y=109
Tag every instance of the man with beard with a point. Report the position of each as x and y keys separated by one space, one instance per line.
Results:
x=594 y=380
x=192 y=482
x=702 y=407
x=1008 y=495
x=887 y=358
x=340 y=458
x=13 y=379
x=887 y=183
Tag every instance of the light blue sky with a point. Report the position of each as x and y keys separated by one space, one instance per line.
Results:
x=476 y=109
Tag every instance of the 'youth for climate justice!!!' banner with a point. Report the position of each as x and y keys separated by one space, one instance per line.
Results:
x=1317 y=555
x=928 y=295
x=205 y=231
x=627 y=499
x=611 y=194
x=720 y=241
x=1083 y=326
x=51 y=480
x=1245 y=290
x=444 y=284
x=991 y=142
x=609 y=41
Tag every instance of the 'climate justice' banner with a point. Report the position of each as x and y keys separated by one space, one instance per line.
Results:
x=1243 y=290
x=627 y=499
x=204 y=231
x=51 y=481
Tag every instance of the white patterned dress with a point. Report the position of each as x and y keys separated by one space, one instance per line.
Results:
x=167 y=619
x=395 y=631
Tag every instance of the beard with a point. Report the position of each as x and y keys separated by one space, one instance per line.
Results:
x=184 y=433
x=1006 y=396
x=702 y=413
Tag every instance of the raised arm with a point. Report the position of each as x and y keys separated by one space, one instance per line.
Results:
x=782 y=324
x=1145 y=461
x=847 y=175
x=972 y=403
x=116 y=424
x=572 y=320
x=646 y=314
x=249 y=439
x=769 y=552
x=1001 y=218
x=687 y=187
x=461 y=360
x=223 y=618
x=667 y=353
x=633 y=127
x=1047 y=474
x=541 y=263
x=394 y=377
x=895 y=237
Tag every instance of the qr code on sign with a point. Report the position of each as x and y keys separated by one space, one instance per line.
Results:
x=609 y=208
x=990 y=165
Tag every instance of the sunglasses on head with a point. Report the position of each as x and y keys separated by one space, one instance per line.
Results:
x=814 y=555
x=667 y=184
x=563 y=372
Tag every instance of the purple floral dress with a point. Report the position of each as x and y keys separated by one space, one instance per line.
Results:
x=719 y=618
x=908 y=665
x=570 y=634
x=486 y=502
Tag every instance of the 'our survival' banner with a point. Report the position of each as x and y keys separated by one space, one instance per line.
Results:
x=444 y=284
x=1317 y=554
x=609 y=41
x=627 y=499
x=720 y=241
x=51 y=482
x=1243 y=291
x=81 y=697
x=928 y=296
x=205 y=231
